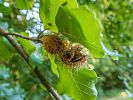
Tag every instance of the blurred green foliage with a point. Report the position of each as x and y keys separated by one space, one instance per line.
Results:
x=117 y=19
x=114 y=76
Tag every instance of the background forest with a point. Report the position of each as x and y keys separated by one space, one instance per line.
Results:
x=114 y=70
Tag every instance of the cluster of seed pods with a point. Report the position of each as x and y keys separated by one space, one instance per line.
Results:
x=70 y=55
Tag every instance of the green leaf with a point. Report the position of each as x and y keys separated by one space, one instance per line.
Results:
x=36 y=58
x=4 y=9
x=81 y=25
x=24 y=4
x=8 y=45
x=28 y=46
x=6 y=53
x=48 y=10
x=80 y=85
x=53 y=65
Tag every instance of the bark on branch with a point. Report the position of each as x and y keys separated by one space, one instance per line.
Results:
x=19 y=35
x=25 y=56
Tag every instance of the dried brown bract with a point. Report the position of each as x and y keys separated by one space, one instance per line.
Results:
x=70 y=55
x=74 y=57
x=52 y=43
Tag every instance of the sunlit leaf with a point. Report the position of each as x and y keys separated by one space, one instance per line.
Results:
x=80 y=85
x=29 y=47
x=24 y=4
x=48 y=10
x=5 y=52
x=4 y=9
x=8 y=45
x=81 y=25
x=53 y=65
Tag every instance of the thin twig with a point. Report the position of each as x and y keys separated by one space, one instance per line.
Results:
x=19 y=35
x=44 y=81
x=18 y=48
x=36 y=72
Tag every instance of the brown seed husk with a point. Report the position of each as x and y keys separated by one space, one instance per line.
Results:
x=52 y=43
x=73 y=57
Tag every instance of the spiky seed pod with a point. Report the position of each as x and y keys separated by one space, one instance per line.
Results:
x=70 y=55
x=73 y=57
x=52 y=43
x=66 y=45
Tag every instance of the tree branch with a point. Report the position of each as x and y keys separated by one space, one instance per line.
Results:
x=19 y=35
x=44 y=81
x=24 y=55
